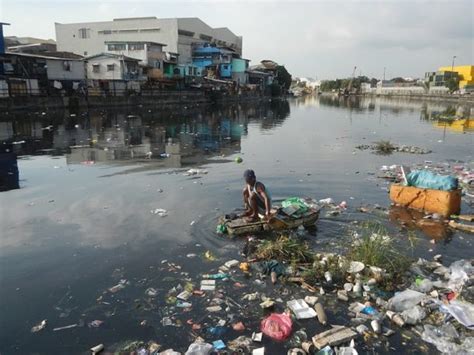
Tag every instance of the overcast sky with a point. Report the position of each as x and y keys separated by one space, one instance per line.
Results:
x=323 y=39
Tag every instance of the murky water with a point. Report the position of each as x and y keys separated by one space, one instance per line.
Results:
x=81 y=219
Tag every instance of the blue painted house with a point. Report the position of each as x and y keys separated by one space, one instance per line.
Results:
x=217 y=59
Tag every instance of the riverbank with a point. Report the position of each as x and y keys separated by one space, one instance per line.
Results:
x=163 y=99
x=461 y=99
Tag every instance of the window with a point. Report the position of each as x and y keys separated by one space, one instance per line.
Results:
x=105 y=32
x=95 y=68
x=66 y=66
x=149 y=30
x=205 y=37
x=84 y=33
x=117 y=47
x=136 y=47
x=131 y=30
x=110 y=67
x=185 y=33
x=157 y=64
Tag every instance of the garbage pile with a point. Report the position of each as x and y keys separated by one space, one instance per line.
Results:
x=385 y=147
x=283 y=294
x=463 y=172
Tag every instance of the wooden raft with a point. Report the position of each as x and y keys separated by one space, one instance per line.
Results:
x=280 y=221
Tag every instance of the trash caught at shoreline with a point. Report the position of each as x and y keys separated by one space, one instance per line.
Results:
x=386 y=147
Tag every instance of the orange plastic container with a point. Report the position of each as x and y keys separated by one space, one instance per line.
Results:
x=445 y=203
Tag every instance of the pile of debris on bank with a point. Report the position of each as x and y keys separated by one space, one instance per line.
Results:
x=283 y=289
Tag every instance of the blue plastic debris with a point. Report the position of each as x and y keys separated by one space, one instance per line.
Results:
x=218 y=345
x=427 y=180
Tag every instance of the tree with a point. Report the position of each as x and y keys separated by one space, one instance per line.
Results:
x=283 y=77
x=452 y=84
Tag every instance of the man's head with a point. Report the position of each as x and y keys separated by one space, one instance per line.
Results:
x=249 y=176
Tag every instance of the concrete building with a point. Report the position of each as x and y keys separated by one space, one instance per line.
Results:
x=440 y=78
x=33 y=74
x=465 y=74
x=113 y=74
x=29 y=45
x=108 y=66
x=149 y=54
x=215 y=60
x=239 y=70
x=33 y=48
x=178 y=34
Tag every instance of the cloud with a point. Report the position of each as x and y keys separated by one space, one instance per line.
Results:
x=323 y=38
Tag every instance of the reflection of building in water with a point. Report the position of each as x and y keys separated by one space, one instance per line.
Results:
x=168 y=139
x=6 y=130
x=307 y=100
x=429 y=110
x=185 y=141
x=461 y=126
x=9 y=177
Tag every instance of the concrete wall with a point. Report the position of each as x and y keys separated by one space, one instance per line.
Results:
x=194 y=24
x=139 y=29
x=239 y=65
x=147 y=55
x=104 y=74
x=3 y=88
x=241 y=78
x=438 y=90
x=465 y=72
x=56 y=70
x=184 y=50
x=400 y=90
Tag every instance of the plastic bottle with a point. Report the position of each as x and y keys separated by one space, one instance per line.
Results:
x=328 y=276
x=215 y=276
x=395 y=318
x=320 y=313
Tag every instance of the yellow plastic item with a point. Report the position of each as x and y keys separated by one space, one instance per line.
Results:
x=245 y=267
x=444 y=203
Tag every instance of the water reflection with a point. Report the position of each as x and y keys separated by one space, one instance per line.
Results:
x=429 y=110
x=9 y=177
x=162 y=138
x=460 y=126
x=413 y=219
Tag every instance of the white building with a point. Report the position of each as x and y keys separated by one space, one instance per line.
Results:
x=65 y=69
x=177 y=34
x=148 y=53
x=107 y=66
x=113 y=74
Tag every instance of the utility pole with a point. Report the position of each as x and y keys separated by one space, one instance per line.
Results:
x=452 y=68
x=383 y=73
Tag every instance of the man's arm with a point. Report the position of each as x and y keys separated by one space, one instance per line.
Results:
x=245 y=196
x=263 y=193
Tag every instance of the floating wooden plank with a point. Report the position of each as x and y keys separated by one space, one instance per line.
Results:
x=464 y=217
x=462 y=226
x=335 y=336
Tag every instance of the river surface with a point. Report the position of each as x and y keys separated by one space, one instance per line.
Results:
x=81 y=220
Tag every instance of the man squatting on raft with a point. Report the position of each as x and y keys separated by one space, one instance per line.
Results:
x=256 y=198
